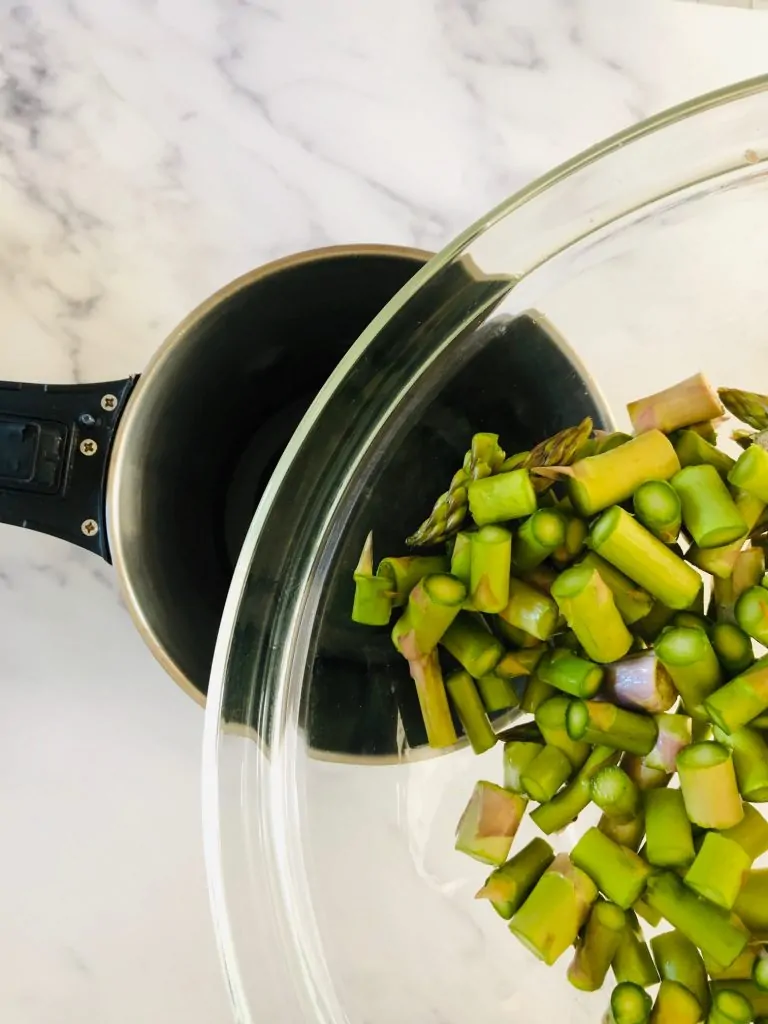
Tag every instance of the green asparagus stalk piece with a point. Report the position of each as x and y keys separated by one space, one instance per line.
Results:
x=497 y=499
x=705 y=429
x=629 y=1005
x=710 y=514
x=432 y=606
x=708 y=785
x=553 y=915
x=472 y=644
x=618 y=872
x=550 y=718
x=404 y=573
x=760 y=969
x=615 y=793
x=652 y=625
x=599 y=481
x=751 y=833
x=372 y=604
x=747 y=406
x=569 y=673
x=497 y=693
x=489 y=823
x=721 y=561
x=596 y=950
x=707 y=926
x=632 y=962
x=530 y=610
x=733 y=648
x=540 y=578
x=461 y=558
x=574 y=542
x=514 y=637
x=633 y=602
x=700 y=730
x=690 y=659
x=751 y=472
x=741 y=968
x=642 y=775
x=718 y=871
x=573 y=798
x=603 y=723
x=669 y=840
x=588 y=606
x=640 y=682
x=657 y=506
x=752 y=613
x=653 y=917
x=433 y=700
x=729 y=1006
x=625 y=833
x=693 y=450
x=623 y=542
x=520 y=663
x=535 y=693
x=483 y=459
x=687 y=402
x=675 y=1005
x=751 y=906
x=518 y=755
x=471 y=711
x=490 y=565
x=678 y=960
x=741 y=700
x=691 y=620
x=674 y=734
x=758 y=1000
x=559 y=450
x=540 y=535
x=546 y=774
x=748 y=571
x=510 y=885
x=750 y=761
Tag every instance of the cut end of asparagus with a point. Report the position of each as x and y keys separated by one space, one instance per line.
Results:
x=489 y=823
x=630 y=1004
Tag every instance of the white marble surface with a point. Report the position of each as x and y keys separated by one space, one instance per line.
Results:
x=149 y=151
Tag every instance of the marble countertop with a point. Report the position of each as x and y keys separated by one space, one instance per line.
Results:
x=151 y=150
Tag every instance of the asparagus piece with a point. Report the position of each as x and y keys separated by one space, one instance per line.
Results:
x=484 y=458
x=559 y=450
x=633 y=962
x=546 y=774
x=653 y=917
x=741 y=968
x=760 y=969
x=691 y=620
x=570 y=673
x=690 y=659
x=520 y=663
x=751 y=472
x=469 y=707
x=432 y=606
x=657 y=620
x=750 y=761
x=471 y=643
x=629 y=1005
x=626 y=833
x=461 y=559
x=677 y=959
x=689 y=401
x=747 y=406
x=675 y=1005
x=718 y=870
x=707 y=926
x=710 y=514
x=535 y=693
x=729 y=1006
x=752 y=613
x=721 y=561
x=530 y=610
x=748 y=571
x=618 y=872
x=571 y=801
x=668 y=839
x=589 y=609
x=708 y=785
x=640 y=682
x=657 y=506
x=757 y=999
x=573 y=544
x=633 y=602
x=518 y=755
x=404 y=573
x=623 y=542
x=700 y=730
x=751 y=906
x=642 y=775
x=615 y=793
x=372 y=605
x=489 y=823
x=552 y=916
x=741 y=700
x=497 y=693
x=550 y=718
x=510 y=885
x=540 y=578
x=596 y=950
x=497 y=499
x=433 y=700
x=733 y=648
x=538 y=537
x=751 y=833
x=607 y=724
x=694 y=450
x=598 y=481
x=674 y=734
x=490 y=565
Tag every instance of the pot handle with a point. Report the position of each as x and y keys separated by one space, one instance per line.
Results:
x=55 y=445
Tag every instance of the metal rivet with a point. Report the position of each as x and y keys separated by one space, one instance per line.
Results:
x=89 y=527
x=86 y=419
x=108 y=402
x=88 y=446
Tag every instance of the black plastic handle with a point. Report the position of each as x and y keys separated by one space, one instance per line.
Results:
x=55 y=443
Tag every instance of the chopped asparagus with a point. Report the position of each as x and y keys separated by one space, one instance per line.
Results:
x=758 y=1000
x=690 y=659
x=596 y=950
x=640 y=682
x=489 y=823
x=751 y=472
x=510 y=885
x=461 y=559
x=729 y=1006
x=741 y=700
x=490 y=565
x=615 y=793
x=598 y=722
x=690 y=401
x=657 y=506
x=571 y=801
x=497 y=692
x=433 y=700
x=741 y=967
x=372 y=604
x=530 y=610
x=733 y=648
x=630 y=1004
x=750 y=761
x=751 y=833
x=520 y=663
x=535 y=693
x=551 y=720
x=404 y=573
x=752 y=613
x=499 y=498
x=721 y=561
x=694 y=450
x=472 y=644
x=677 y=959
x=642 y=775
x=760 y=969
x=633 y=602
x=432 y=606
x=748 y=571
x=626 y=833
x=546 y=773
x=633 y=962
x=618 y=872
x=710 y=514
x=747 y=406
x=751 y=906
x=588 y=606
x=570 y=673
x=575 y=539
x=668 y=835
x=708 y=785
x=471 y=711
x=538 y=537
x=718 y=870
x=674 y=734
x=675 y=1005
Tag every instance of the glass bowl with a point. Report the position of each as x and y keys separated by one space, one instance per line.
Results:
x=336 y=890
